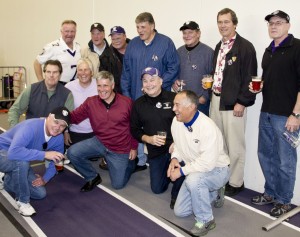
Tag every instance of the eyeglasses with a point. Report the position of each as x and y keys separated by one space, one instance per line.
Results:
x=45 y=146
x=276 y=23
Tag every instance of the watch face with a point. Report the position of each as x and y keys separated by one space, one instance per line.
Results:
x=296 y=115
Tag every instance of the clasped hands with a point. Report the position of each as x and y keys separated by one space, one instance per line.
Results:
x=174 y=170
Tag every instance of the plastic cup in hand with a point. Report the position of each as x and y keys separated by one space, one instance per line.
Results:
x=162 y=134
x=292 y=138
x=256 y=81
x=59 y=166
x=208 y=81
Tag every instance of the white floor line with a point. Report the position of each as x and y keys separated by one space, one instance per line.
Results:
x=29 y=220
x=261 y=213
x=138 y=209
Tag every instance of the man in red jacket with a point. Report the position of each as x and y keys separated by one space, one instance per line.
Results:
x=109 y=114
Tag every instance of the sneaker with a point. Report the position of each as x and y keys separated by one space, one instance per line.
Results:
x=66 y=161
x=201 y=229
x=280 y=209
x=25 y=209
x=262 y=199
x=1 y=180
x=219 y=202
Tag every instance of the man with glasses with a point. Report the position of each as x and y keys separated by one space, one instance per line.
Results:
x=64 y=49
x=234 y=64
x=31 y=140
x=280 y=111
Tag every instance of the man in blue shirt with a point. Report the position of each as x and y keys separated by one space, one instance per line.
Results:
x=32 y=139
x=148 y=49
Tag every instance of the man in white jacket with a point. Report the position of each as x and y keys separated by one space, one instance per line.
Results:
x=198 y=144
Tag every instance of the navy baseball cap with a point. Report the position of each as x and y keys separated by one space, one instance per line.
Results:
x=152 y=71
x=117 y=30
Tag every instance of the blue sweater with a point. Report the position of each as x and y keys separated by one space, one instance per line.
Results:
x=160 y=53
x=25 y=142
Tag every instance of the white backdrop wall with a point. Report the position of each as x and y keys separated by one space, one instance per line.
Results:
x=26 y=26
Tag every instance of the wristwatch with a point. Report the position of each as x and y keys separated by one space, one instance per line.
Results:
x=296 y=115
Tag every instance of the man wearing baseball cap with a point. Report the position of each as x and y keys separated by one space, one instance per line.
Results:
x=195 y=61
x=99 y=52
x=280 y=112
x=151 y=113
x=33 y=139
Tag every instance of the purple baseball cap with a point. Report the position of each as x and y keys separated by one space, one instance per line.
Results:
x=152 y=71
x=117 y=30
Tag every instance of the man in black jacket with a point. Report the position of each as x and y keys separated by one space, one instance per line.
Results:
x=151 y=113
x=234 y=64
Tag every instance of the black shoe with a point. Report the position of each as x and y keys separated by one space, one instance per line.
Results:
x=103 y=164
x=232 y=191
x=140 y=168
x=91 y=184
x=172 y=203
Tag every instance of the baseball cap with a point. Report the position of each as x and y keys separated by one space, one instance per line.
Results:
x=190 y=25
x=280 y=14
x=117 y=30
x=152 y=71
x=62 y=113
x=97 y=26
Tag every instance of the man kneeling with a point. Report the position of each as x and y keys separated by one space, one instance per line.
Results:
x=32 y=139
x=198 y=143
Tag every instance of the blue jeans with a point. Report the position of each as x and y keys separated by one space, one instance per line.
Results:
x=197 y=193
x=141 y=155
x=119 y=166
x=158 y=175
x=18 y=179
x=277 y=158
x=204 y=108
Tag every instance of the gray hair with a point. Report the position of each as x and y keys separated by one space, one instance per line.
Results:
x=105 y=75
x=191 y=98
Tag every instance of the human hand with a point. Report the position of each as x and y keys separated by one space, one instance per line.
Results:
x=292 y=123
x=202 y=100
x=67 y=139
x=39 y=181
x=132 y=154
x=172 y=166
x=254 y=91
x=238 y=110
x=54 y=156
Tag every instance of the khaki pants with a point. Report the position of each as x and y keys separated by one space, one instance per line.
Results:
x=233 y=130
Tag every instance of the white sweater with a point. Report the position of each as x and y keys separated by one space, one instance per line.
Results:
x=202 y=149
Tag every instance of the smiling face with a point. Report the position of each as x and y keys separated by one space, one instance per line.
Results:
x=278 y=28
x=54 y=126
x=145 y=31
x=183 y=108
x=105 y=89
x=152 y=85
x=84 y=74
x=118 y=40
x=226 y=26
x=68 y=33
x=191 y=37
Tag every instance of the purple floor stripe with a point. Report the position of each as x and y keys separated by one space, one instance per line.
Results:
x=245 y=197
x=67 y=212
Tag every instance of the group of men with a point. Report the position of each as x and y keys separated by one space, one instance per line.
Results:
x=202 y=156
